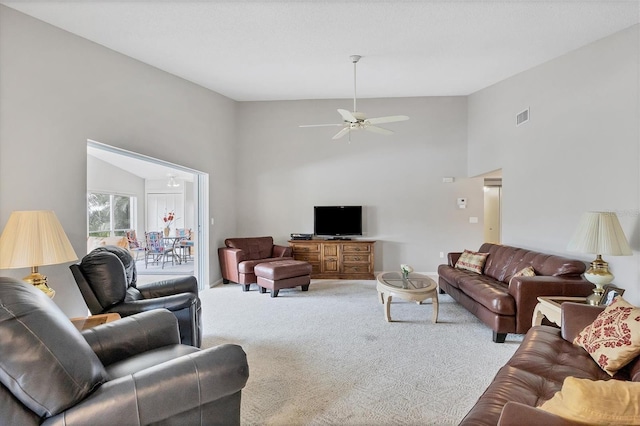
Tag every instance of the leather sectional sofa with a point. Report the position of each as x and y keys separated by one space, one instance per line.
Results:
x=536 y=371
x=504 y=304
x=241 y=255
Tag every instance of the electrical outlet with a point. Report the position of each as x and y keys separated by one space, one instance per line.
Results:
x=441 y=255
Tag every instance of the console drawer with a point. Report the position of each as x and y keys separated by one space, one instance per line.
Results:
x=356 y=248
x=356 y=258
x=306 y=248
x=358 y=268
x=307 y=257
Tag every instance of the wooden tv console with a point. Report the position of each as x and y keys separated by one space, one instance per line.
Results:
x=336 y=259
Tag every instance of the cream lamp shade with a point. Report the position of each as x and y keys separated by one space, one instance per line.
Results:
x=32 y=239
x=599 y=233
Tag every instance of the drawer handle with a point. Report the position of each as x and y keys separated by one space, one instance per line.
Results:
x=356 y=258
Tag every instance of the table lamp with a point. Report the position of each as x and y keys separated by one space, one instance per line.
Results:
x=32 y=239
x=599 y=233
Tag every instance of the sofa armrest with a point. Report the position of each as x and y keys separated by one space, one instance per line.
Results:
x=229 y=259
x=517 y=414
x=164 y=391
x=169 y=287
x=282 y=251
x=526 y=290
x=175 y=302
x=453 y=257
x=118 y=340
x=575 y=317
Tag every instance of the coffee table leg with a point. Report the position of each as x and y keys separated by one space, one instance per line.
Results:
x=381 y=294
x=434 y=302
x=387 y=308
x=537 y=315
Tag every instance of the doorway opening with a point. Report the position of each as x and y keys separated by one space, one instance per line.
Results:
x=493 y=207
x=155 y=188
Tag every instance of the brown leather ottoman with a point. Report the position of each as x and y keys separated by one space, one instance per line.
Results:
x=283 y=274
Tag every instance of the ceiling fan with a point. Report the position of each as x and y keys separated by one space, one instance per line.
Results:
x=356 y=120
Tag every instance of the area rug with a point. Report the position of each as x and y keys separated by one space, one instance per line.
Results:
x=328 y=357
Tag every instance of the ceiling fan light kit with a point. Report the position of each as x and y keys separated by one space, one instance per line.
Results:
x=356 y=120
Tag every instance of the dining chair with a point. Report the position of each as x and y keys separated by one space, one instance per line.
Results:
x=135 y=246
x=156 y=251
x=185 y=243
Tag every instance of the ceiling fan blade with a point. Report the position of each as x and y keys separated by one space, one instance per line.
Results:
x=376 y=129
x=341 y=133
x=320 y=125
x=348 y=116
x=389 y=119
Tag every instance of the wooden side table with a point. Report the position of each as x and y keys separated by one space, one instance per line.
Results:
x=83 y=323
x=549 y=307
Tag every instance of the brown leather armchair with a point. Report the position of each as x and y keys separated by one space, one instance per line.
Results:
x=241 y=255
x=107 y=276
x=130 y=371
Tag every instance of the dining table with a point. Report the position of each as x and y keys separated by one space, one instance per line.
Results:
x=172 y=244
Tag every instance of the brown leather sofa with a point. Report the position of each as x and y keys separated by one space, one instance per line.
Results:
x=537 y=370
x=130 y=371
x=241 y=255
x=506 y=305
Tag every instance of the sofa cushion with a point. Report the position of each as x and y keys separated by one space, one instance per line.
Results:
x=44 y=361
x=524 y=272
x=610 y=402
x=472 y=261
x=613 y=339
x=253 y=248
x=127 y=260
x=490 y=293
x=106 y=275
x=95 y=242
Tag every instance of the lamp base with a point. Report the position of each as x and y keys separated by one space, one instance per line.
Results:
x=39 y=281
x=599 y=275
x=594 y=298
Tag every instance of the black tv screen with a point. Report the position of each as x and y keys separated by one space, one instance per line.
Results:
x=337 y=220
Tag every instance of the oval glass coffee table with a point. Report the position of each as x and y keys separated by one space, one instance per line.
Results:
x=416 y=288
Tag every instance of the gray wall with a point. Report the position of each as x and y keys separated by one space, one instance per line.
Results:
x=58 y=90
x=579 y=152
x=284 y=170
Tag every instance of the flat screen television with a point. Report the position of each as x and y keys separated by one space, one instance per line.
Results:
x=337 y=221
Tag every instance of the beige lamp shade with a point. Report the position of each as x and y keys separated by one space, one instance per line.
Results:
x=34 y=238
x=600 y=233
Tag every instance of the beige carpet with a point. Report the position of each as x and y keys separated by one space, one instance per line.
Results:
x=328 y=357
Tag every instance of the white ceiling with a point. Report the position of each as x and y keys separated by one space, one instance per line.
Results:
x=138 y=166
x=278 y=50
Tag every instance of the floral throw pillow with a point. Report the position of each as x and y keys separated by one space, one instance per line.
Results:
x=524 y=272
x=613 y=339
x=472 y=261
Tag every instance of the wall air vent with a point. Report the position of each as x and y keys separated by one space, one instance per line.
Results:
x=522 y=117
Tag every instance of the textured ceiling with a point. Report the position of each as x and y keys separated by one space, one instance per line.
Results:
x=280 y=50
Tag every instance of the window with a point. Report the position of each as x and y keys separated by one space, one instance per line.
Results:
x=110 y=215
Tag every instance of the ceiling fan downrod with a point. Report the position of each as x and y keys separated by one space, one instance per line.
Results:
x=354 y=59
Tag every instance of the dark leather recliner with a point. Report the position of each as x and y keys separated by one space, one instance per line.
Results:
x=107 y=280
x=132 y=371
